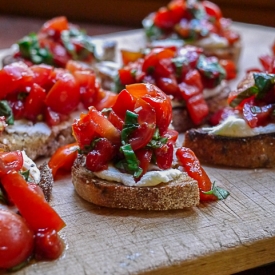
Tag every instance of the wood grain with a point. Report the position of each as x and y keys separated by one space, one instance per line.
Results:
x=221 y=237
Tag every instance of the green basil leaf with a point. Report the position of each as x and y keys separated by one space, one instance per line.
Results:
x=131 y=165
x=6 y=111
x=253 y=90
x=157 y=141
x=264 y=82
x=219 y=192
x=25 y=174
x=130 y=125
x=211 y=69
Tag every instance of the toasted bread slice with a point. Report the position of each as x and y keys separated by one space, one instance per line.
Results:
x=37 y=140
x=172 y=195
x=245 y=152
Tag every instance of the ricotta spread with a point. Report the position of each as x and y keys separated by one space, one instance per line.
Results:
x=235 y=126
x=28 y=164
x=213 y=40
x=151 y=178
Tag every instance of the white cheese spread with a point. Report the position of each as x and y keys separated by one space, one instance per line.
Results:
x=235 y=126
x=213 y=40
x=28 y=164
x=151 y=178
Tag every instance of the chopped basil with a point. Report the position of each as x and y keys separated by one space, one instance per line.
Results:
x=130 y=164
x=6 y=111
x=25 y=174
x=219 y=192
x=157 y=141
x=211 y=69
x=30 y=49
x=263 y=83
x=180 y=62
x=130 y=124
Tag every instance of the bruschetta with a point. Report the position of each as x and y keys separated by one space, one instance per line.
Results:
x=198 y=23
x=245 y=136
x=128 y=156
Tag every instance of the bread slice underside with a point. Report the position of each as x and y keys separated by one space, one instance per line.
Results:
x=178 y=194
x=244 y=152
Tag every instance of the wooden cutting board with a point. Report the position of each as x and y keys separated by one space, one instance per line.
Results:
x=221 y=237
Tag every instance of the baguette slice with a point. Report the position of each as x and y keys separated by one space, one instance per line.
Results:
x=37 y=141
x=244 y=152
x=173 y=195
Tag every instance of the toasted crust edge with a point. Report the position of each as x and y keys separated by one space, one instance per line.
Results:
x=243 y=152
x=46 y=180
x=173 y=195
x=38 y=145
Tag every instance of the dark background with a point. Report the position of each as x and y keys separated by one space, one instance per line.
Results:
x=131 y=12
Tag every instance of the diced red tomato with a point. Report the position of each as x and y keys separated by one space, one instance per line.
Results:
x=83 y=130
x=221 y=115
x=260 y=116
x=193 y=168
x=144 y=157
x=10 y=161
x=147 y=121
x=16 y=105
x=153 y=58
x=48 y=245
x=44 y=75
x=171 y=135
x=168 y=85
x=34 y=103
x=52 y=118
x=126 y=77
x=130 y=56
x=105 y=99
x=230 y=68
x=115 y=120
x=164 y=155
x=197 y=108
x=164 y=18
x=266 y=61
x=212 y=9
x=16 y=239
x=64 y=96
x=15 y=77
x=125 y=101
x=36 y=211
x=231 y=36
x=157 y=99
x=63 y=158
x=103 y=127
x=57 y=24
x=99 y=157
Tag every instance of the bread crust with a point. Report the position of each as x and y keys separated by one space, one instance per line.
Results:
x=173 y=195
x=244 y=152
x=46 y=180
x=39 y=144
